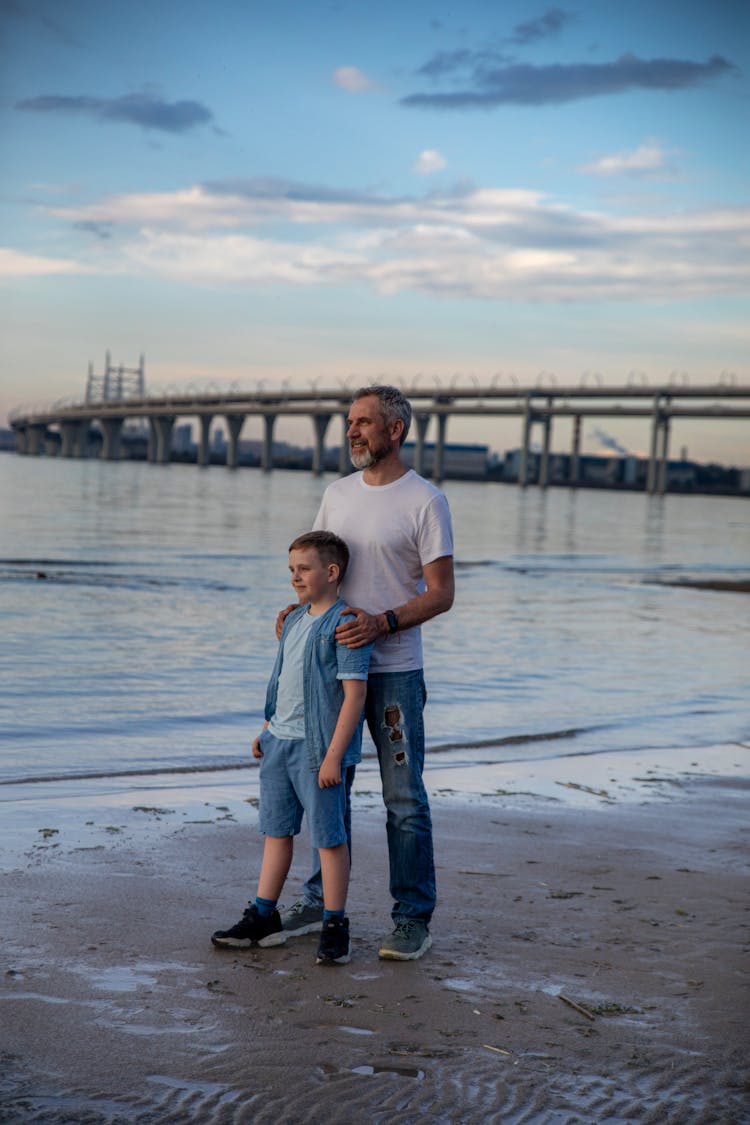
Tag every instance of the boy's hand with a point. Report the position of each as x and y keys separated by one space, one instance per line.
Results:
x=257 y=752
x=361 y=629
x=282 y=618
x=329 y=773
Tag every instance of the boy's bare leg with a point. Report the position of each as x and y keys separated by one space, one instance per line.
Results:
x=334 y=939
x=334 y=866
x=260 y=926
x=277 y=859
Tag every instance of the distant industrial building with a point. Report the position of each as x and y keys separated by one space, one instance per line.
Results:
x=625 y=472
x=182 y=441
x=460 y=462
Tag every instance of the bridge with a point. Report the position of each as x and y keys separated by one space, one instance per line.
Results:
x=111 y=402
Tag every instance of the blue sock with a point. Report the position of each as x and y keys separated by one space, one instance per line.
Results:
x=265 y=906
x=329 y=915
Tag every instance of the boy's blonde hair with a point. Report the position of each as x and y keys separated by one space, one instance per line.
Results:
x=330 y=548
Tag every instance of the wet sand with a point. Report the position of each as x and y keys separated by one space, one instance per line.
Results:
x=589 y=963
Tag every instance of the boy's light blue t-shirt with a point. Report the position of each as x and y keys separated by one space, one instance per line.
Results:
x=289 y=718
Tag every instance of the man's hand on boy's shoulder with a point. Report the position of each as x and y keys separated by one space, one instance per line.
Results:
x=282 y=618
x=360 y=628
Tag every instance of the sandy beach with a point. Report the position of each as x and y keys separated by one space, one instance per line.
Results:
x=589 y=962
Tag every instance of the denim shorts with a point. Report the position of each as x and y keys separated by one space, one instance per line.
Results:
x=289 y=787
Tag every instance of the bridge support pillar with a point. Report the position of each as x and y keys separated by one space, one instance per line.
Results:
x=655 y=427
x=234 y=425
x=73 y=437
x=344 y=459
x=544 y=463
x=204 y=450
x=523 y=465
x=266 y=457
x=67 y=438
x=320 y=422
x=438 y=466
x=160 y=438
x=21 y=439
x=575 y=452
x=111 y=431
x=661 y=483
x=35 y=439
x=421 y=422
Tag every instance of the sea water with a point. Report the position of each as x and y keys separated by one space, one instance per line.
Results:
x=137 y=609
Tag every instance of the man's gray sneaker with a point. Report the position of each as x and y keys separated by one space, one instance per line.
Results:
x=302 y=918
x=409 y=941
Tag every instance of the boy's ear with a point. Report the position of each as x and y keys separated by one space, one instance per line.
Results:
x=334 y=570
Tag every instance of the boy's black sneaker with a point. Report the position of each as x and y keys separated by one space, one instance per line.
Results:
x=252 y=929
x=333 y=948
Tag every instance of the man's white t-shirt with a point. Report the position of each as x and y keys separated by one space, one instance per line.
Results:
x=392 y=531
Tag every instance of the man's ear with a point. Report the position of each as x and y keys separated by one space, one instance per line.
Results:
x=397 y=429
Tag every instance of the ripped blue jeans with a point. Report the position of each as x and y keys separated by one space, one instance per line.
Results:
x=393 y=710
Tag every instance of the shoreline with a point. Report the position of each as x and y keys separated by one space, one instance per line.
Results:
x=533 y=750
x=587 y=962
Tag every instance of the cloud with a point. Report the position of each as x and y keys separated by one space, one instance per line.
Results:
x=16 y=263
x=351 y=79
x=271 y=188
x=235 y=204
x=550 y=24
x=493 y=244
x=144 y=110
x=240 y=259
x=429 y=161
x=28 y=13
x=494 y=83
x=649 y=159
x=99 y=230
x=445 y=63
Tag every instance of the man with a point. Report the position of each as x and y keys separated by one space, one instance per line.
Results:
x=398 y=529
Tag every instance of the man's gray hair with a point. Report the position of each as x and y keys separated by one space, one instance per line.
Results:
x=394 y=405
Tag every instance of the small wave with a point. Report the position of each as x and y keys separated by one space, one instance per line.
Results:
x=102 y=775
x=718 y=585
x=132 y=725
x=60 y=562
x=509 y=740
x=465 y=564
x=76 y=572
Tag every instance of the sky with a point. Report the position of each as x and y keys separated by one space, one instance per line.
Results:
x=312 y=193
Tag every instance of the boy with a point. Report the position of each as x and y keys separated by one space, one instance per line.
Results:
x=311 y=738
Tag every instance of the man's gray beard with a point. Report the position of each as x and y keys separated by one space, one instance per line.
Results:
x=365 y=458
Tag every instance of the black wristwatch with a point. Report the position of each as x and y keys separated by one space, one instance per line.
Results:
x=392 y=620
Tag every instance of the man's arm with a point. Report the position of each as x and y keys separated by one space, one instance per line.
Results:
x=354 y=700
x=437 y=598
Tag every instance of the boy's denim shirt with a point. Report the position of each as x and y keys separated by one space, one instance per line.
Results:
x=324 y=659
